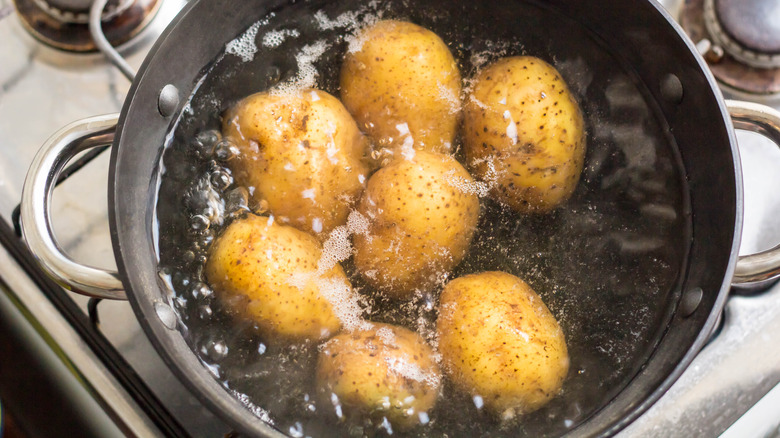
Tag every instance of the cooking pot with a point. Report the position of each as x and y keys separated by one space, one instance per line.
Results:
x=645 y=38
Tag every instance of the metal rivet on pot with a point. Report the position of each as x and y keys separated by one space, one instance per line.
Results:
x=690 y=301
x=672 y=89
x=166 y=315
x=168 y=100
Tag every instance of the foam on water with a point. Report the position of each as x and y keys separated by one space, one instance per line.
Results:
x=450 y=98
x=479 y=188
x=275 y=38
x=408 y=369
x=307 y=73
x=244 y=46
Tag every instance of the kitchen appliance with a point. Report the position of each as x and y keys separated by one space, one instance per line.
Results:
x=90 y=247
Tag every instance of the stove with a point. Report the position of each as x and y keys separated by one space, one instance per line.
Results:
x=91 y=363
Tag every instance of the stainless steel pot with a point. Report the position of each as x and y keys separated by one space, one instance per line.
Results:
x=650 y=43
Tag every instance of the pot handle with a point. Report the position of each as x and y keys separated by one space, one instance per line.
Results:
x=765 y=265
x=39 y=184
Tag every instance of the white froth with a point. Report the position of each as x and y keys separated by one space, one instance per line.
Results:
x=387 y=336
x=347 y=20
x=345 y=302
x=410 y=370
x=402 y=128
x=307 y=73
x=478 y=102
x=335 y=250
x=275 y=38
x=244 y=46
x=357 y=223
x=448 y=95
x=479 y=188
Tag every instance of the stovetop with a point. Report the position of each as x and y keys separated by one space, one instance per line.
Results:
x=731 y=388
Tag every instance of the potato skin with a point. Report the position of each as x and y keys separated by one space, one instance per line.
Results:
x=303 y=153
x=421 y=224
x=253 y=265
x=403 y=74
x=384 y=370
x=498 y=340
x=522 y=118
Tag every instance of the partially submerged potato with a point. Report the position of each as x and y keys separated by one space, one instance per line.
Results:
x=272 y=274
x=422 y=213
x=302 y=153
x=381 y=371
x=403 y=87
x=499 y=342
x=524 y=133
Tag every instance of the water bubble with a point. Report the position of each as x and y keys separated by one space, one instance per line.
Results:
x=215 y=350
x=180 y=281
x=200 y=290
x=225 y=150
x=199 y=223
x=221 y=179
x=204 y=142
x=273 y=74
x=205 y=311
x=188 y=257
x=237 y=201
x=296 y=431
x=261 y=207
x=428 y=303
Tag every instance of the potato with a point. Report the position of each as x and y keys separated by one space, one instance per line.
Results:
x=384 y=371
x=499 y=341
x=301 y=152
x=524 y=133
x=403 y=87
x=422 y=218
x=272 y=274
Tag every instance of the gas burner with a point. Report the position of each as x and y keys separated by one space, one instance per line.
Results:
x=740 y=40
x=63 y=24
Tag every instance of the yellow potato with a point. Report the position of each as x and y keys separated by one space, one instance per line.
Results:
x=269 y=272
x=403 y=87
x=422 y=214
x=301 y=152
x=383 y=370
x=524 y=133
x=499 y=341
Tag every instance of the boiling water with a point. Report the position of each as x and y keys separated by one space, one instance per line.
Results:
x=608 y=263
